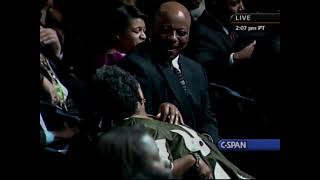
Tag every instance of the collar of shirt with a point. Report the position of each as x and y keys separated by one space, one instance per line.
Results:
x=175 y=63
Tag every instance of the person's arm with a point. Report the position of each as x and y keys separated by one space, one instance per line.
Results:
x=49 y=36
x=185 y=163
x=182 y=165
x=65 y=133
x=207 y=49
x=243 y=54
x=179 y=166
x=48 y=137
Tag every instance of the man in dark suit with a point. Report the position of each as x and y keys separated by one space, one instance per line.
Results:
x=214 y=44
x=167 y=76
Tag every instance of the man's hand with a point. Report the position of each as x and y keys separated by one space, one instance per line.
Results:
x=49 y=36
x=204 y=170
x=170 y=113
x=245 y=53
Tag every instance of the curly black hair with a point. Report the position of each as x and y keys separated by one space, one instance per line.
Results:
x=116 y=93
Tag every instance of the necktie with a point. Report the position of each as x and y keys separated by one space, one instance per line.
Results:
x=180 y=78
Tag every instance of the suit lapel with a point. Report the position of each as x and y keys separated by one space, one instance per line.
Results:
x=177 y=90
x=172 y=81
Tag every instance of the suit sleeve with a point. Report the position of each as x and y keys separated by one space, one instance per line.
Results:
x=209 y=123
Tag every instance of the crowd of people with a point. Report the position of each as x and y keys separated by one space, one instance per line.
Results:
x=152 y=86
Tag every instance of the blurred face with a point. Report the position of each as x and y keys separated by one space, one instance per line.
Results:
x=171 y=34
x=134 y=35
x=235 y=6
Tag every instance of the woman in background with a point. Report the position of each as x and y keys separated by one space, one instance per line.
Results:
x=128 y=30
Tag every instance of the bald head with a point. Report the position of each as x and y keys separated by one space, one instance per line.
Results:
x=174 y=9
x=170 y=32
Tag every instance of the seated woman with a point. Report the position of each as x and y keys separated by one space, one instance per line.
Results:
x=127 y=31
x=190 y=154
x=59 y=114
x=64 y=89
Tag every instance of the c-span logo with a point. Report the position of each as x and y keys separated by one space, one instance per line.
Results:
x=249 y=144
